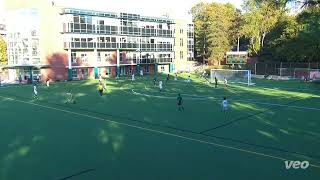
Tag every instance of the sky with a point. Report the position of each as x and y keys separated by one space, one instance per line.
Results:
x=175 y=8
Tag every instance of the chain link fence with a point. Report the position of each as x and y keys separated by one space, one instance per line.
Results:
x=284 y=69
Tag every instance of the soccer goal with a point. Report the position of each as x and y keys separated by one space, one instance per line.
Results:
x=233 y=76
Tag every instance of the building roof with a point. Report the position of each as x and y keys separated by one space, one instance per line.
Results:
x=122 y=15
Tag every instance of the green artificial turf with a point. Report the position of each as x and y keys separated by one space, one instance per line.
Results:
x=135 y=132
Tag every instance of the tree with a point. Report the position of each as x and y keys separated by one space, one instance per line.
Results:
x=259 y=19
x=200 y=28
x=3 y=52
x=216 y=29
x=296 y=38
x=311 y=3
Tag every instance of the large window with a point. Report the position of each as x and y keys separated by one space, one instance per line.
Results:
x=181 y=54
x=74 y=73
x=76 y=19
x=99 y=57
x=73 y=57
x=107 y=57
x=181 y=42
x=35 y=47
x=84 y=57
x=121 y=54
x=162 y=68
x=85 y=73
x=82 y=24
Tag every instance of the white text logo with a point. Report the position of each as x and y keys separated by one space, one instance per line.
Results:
x=297 y=164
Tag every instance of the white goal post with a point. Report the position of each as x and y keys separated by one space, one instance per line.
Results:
x=233 y=76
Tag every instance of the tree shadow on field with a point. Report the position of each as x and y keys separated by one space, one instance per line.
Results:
x=247 y=123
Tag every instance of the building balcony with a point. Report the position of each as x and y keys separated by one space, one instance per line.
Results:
x=153 y=61
x=88 y=12
x=128 y=46
x=79 y=28
x=164 y=60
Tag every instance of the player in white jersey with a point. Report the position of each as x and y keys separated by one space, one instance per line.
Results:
x=48 y=82
x=160 y=86
x=225 y=82
x=176 y=77
x=132 y=77
x=100 y=78
x=225 y=104
x=35 y=91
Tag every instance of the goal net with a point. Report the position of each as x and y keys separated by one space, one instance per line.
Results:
x=312 y=74
x=233 y=76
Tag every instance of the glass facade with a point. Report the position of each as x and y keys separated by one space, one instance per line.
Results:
x=150 y=38
x=190 y=44
x=23 y=37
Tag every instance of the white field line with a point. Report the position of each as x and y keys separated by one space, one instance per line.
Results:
x=231 y=100
x=158 y=132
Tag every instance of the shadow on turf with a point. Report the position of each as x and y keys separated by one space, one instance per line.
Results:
x=91 y=99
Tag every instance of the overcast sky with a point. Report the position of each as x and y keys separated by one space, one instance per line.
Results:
x=176 y=8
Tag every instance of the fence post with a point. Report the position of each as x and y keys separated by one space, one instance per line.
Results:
x=290 y=70
x=265 y=69
x=280 y=69
x=255 y=68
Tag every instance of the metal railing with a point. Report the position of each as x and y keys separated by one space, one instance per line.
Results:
x=287 y=69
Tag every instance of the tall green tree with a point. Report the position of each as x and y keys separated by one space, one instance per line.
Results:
x=200 y=30
x=216 y=29
x=260 y=17
x=296 y=38
x=3 y=52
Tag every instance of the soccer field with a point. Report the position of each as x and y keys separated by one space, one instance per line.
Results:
x=135 y=132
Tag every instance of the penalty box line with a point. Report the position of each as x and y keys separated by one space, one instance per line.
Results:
x=158 y=132
x=216 y=99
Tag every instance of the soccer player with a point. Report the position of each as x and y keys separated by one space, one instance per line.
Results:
x=141 y=73
x=105 y=85
x=215 y=82
x=179 y=103
x=100 y=89
x=20 y=78
x=35 y=91
x=132 y=77
x=189 y=79
x=100 y=78
x=168 y=77
x=176 y=77
x=70 y=97
x=204 y=75
x=160 y=86
x=154 y=80
x=225 y=105
x=48 y=82
x=38 y=78
x=225 y=82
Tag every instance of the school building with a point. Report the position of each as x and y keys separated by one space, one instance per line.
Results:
x=49 y=41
